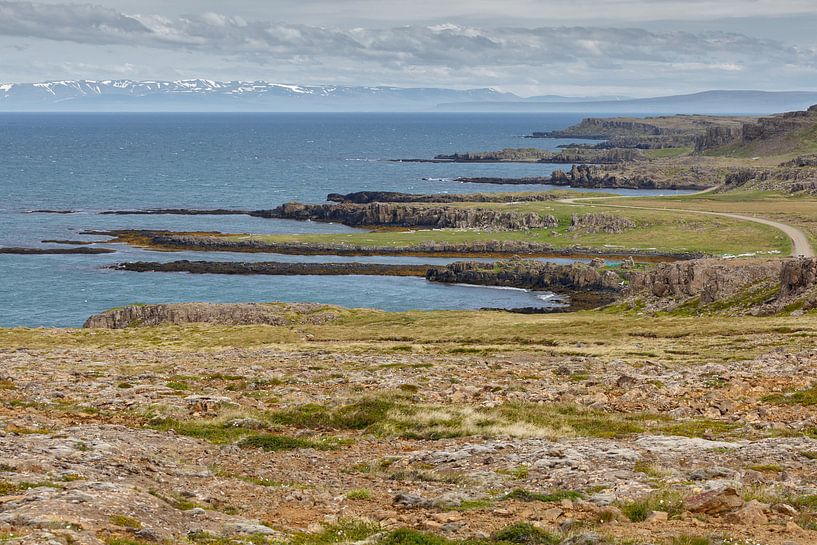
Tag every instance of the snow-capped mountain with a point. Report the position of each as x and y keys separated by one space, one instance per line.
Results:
x=202 y=94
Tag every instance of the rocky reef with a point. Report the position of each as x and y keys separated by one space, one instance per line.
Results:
x=402 y=215
x=274 y=268
x=52 y=251
x=213 y=313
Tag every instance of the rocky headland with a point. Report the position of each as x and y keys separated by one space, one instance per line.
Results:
x=653 y=132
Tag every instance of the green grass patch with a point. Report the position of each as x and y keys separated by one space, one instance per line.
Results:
x=805 y=397
x=360 y=494
x=343 y=531
x=639 y=509
x=8 y=488
x=222 y=433
x=524 y=533
x=521 y=533
x=125 y=521
x=690 y=540
x=521 y=494
x=272 y=442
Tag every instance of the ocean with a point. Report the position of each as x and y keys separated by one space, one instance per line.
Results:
x=88 y=163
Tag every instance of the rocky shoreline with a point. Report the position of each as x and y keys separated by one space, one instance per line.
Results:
x=534 y=155
x=212 y=242
x=585 y=286
x=588 y=177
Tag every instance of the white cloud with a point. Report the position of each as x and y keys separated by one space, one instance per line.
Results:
x=441 y=54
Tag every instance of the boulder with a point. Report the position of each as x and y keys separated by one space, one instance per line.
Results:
x=715 y=502
x=751 y=514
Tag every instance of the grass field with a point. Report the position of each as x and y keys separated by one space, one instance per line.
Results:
x=599 y=334
x=797 y=210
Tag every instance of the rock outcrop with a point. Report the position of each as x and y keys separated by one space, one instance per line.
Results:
x=717 y=136
x=212 y=313
x=798 y=276
x=710 y=279
x=802 y=161
x=737 y=287
x=600 y=223
x=402 y=215
x=787 y=179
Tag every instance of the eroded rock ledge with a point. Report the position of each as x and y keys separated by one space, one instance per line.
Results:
x=402 y=215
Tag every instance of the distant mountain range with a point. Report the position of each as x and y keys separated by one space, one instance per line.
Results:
x=209 y=95
x=262 y=96
x=707 y=102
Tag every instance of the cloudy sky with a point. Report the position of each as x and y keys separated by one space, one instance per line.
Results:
x=531 y=47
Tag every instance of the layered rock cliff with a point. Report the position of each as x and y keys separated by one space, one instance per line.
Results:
x=788 y=179
x=710 y=279
x=528 y=274
x=798 y=276
x=732 y=286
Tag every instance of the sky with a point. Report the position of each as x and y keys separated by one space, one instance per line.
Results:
x=529 y=47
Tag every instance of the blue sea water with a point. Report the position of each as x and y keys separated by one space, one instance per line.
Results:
x=88 y=163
